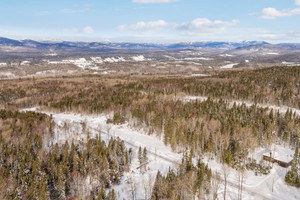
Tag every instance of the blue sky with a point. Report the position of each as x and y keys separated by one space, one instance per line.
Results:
x=162 y=21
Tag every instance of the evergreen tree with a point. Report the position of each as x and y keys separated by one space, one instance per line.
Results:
x=111 y=195
x=140 y=155
x=43 y=189
x=145 y=158
x=101 y=193
x=293 y=176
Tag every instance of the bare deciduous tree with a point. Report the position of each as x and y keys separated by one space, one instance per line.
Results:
x=225 y=172
x=133 y=188
x=215 y=183
x=147 y=186
x=241 y=177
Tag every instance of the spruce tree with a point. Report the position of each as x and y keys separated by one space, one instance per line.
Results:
x=140 y=155
x=145 y=158
x=43 y=189
x=101 y=194
x=293 y=176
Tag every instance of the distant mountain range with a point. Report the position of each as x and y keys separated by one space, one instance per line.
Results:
x=37 y=44
x=238 y=48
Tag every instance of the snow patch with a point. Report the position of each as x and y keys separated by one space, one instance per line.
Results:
x=226 y=55
x=113 y=59
x=200 y=75
x=229 y=66
x=51 y=54
x=7 y=75
x=25 y=62
x=272 y=53
x=199 y=58
x=140 y=58
x=97 y=60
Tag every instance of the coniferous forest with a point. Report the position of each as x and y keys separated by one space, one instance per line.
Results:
x=219 y=126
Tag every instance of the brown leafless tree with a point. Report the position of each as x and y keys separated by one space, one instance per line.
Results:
x=225 y=173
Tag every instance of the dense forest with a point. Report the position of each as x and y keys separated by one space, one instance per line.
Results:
x=214 y=127
x=188 y=182
x=29 y=171
x=274 y=85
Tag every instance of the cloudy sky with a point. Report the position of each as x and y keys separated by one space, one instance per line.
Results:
x=151 y=20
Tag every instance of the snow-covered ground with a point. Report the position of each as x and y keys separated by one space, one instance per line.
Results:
x=51 y=54
x=281 y=109
x=78 y=127
x=69 y=127
x=204 y=58
x=25 y=62
x=291 y=63
x=201 y=58
x=200 y=75
x=139 y=58
x=114 y=60
x=7 y=75
x=54 y=72
x=3 y=64
x=272 y=53
x=229 y=66
x=226 y=55
x=94 y=62
x=271 y=186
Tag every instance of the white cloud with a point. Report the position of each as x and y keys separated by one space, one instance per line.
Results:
x=85 y=8
x=153 y=1
x=272 y=13
x=71 y=30
x=88 y=29
x=294 y=34
x=198 y=26
x=297 y=2
x=267 y=35
x=204 y=25
x=144 y=26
